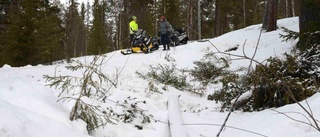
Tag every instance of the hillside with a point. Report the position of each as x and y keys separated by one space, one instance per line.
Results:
x=29 y=108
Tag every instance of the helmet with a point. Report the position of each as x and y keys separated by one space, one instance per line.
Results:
x=162 y=17
x=134 y=17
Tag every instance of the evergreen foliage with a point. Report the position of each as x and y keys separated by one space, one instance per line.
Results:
x=277 y=83
x=97 y=37
x=75 y=33
x=289 y=34
x=84 y=90
x=209 y=69
x=212 y=70
x=4 y=9
x=232 y=86
x=89 y=95
x=132 y=112
x=4 y=13
x=172 y=13
x=167 y=75
x=207 y=20
x=33 y=34
x=284 y=82
x=109 y=27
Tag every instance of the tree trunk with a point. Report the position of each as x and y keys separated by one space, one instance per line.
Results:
x=163 y=6
x=125 y=42
x=272 y=20
x=270 y=16
x=287 y=8
x=244 y=13
x=265 y=15
x=118 y=34
x=309 y=15
x=155 y=21
x=293 y=8
x=309 y=20
x=190 y=21
x=199 y=20
x=217 y=24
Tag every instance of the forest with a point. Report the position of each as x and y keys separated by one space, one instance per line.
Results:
x=43 y=31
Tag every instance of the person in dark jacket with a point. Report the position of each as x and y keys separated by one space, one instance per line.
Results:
x=165 y=30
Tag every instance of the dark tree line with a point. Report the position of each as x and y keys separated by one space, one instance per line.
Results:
x=31 y=34
x=38 y=32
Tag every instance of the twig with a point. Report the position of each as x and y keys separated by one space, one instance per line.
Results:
x=195 y=124
x=203 y=37
x=240 y=93
x=285 y=114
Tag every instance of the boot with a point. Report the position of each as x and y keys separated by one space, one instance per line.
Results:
x=164 y=47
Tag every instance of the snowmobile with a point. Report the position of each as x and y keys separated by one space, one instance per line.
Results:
x=177 y=37
x=142 y=43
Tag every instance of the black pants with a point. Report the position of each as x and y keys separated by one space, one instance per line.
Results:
x=131 y=38
x=165 y=41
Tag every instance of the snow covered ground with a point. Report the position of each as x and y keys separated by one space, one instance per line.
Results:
x=29 y=108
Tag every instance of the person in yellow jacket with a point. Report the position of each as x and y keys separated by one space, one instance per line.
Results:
x=133 y=27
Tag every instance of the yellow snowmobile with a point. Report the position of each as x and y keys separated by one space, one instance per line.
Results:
x=142 y=43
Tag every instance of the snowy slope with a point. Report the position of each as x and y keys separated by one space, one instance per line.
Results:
x=29 y=108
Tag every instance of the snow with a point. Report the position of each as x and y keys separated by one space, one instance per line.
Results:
x=29 y=108
x=175 y=120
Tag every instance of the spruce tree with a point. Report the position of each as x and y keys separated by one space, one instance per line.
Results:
x=32 y=35
x=49 y=35
x=172 y=13
x=83 y=14
x=97 y=43
x=4 y=11
x=75 y=33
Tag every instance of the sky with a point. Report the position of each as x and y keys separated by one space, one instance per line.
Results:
x=30 y=108
x=79 y=1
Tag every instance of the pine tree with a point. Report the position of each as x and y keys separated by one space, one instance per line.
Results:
x=4 y=10
x=123 y=28
x=75 y=34
x=97 y=43
x=208 y=18
x=32 y=35
x=84 y=16
x=49 y=35
x=172 y=12
x=4 y=13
